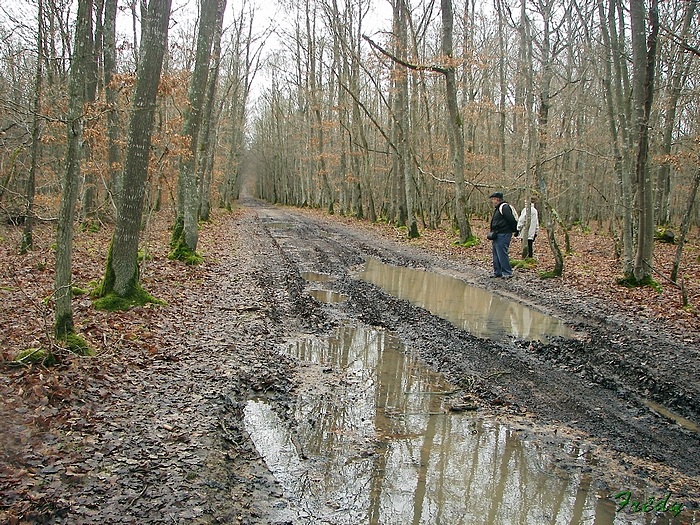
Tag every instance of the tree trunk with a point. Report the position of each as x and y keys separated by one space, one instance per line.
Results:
x=30 y=190
x=114 y=157
x=454 y=126
x=644 y=60
x=63 y=313
x=208 y=117
x=89 y=188
x=188 y=199
x=121 y=275
x=315 y=100
x=680 y=67
x=400 y=104
x=503 y=88
x=685 y=223
x=624 y=113
x=543 y=123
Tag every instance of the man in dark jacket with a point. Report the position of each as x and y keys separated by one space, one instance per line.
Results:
x=503 y=224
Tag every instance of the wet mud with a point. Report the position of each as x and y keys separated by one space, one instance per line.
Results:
x=292 y=390
x=595 y=388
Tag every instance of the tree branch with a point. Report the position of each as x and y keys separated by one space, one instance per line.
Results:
x=448 y=181
x=367 y=112
x=414 y=67
x=680 y=41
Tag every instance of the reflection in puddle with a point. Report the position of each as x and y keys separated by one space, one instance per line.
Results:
x=326 y=296
x=375 y=445
x=477 y=311
x=316 y=277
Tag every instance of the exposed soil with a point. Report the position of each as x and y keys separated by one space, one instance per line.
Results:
x=150 y=430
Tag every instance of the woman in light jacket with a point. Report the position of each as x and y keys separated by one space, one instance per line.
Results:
x=534 y=225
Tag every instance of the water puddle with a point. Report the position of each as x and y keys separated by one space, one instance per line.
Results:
x=326 y=296
x=375 y=443
x=316 y=277
x=276 y=225
x=685 y=423
x=477 y=311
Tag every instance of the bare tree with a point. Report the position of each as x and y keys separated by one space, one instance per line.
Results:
x=315 y=101
x=644 y=63
x=405 y=167
x=27 y=240
x=114 y=158
x=679 y=71
x=454 y=129
x=121 y=275
x=186 y=231
x=63 y=313
x=685 y=224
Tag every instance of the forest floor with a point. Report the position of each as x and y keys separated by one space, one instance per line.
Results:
x=150 y=430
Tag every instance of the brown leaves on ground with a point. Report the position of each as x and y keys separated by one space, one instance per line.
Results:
x=79 y=427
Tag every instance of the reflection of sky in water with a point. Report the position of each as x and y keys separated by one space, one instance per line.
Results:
x=380 y=449
x=477 y=311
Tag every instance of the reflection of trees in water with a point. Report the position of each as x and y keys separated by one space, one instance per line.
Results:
x=477 y=311
x=424 y=468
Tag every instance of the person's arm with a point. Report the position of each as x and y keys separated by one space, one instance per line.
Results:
x=535 y=221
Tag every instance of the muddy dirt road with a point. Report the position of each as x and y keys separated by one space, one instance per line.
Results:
x=278 y=385
x=608 y=386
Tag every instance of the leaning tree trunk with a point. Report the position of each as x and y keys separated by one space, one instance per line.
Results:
x=685 y=224
x=63 y=313
x=121 y=275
